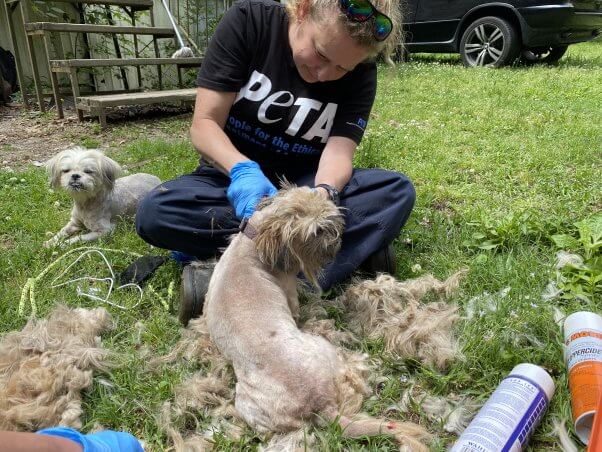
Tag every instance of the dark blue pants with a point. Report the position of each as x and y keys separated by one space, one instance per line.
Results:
x=192 y=214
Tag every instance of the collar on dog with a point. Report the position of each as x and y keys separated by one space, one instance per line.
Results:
x=247 y=229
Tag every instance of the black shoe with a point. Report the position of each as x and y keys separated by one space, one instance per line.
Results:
x=195 y=282
x=381 y=261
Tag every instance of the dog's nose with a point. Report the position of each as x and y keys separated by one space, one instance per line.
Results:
x=75 y=176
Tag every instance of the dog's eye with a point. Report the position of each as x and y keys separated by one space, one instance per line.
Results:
x=89 y=171
x=65 y=171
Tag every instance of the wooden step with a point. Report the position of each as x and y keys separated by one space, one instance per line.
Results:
x=137 y=5
x=40 y=27
x=64 y=65
x=143 y=98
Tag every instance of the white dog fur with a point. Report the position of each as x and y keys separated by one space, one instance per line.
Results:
x=286 y=377
x=91 y=179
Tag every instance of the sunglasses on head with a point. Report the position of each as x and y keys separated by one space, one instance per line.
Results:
x=362 y=10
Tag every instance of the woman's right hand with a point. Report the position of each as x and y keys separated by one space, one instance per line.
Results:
x=247 y=186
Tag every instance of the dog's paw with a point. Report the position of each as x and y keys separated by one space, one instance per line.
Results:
x=70 y=241
x=49 y=243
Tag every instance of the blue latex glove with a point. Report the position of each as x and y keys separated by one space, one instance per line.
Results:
x=181 y=258
x=105 y=441
x=247 y=186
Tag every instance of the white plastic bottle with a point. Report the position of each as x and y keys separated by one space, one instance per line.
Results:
x=508 y=418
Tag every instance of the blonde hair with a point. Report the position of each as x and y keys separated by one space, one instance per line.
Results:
x=361 y=32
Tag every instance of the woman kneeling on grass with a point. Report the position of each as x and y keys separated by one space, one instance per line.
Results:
x=284 y=93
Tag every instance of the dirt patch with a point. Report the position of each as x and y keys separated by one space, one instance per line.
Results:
x=28 y=137
x=6 y=242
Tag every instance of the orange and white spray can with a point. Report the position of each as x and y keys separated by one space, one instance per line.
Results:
x=583 y=352
x=595 y=440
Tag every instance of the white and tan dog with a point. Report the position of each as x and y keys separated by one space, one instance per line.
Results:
x=285 y=377
x=91 y=179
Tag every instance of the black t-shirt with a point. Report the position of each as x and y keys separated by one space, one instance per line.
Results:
x=277 y=118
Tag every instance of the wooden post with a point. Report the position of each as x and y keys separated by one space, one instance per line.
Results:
x=36 y=73
x=156 y=46
x=75 y=88
x=32 y=54
x=102 y=118
x=132 y=14
x=87 y=53
x=206 y=23
x=117 y=48
x=57 y=94
x=53 y=78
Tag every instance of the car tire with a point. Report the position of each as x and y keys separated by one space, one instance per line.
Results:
x=489 y=41
x=547 y=55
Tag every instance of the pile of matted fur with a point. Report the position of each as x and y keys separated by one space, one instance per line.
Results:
x=383 y=308
x=45 y=366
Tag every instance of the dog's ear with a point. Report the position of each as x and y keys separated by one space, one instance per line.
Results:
x=109 y=170
x=270 y=243
x=54 y=170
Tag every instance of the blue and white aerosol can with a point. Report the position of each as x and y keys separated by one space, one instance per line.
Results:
x=508 y=418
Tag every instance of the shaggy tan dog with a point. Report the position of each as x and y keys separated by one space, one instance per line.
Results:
x=286 y=377
x=44 y=367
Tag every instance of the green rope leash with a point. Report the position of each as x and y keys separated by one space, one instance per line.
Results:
x=162 y=300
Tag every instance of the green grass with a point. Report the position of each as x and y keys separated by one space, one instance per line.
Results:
x=510 y=155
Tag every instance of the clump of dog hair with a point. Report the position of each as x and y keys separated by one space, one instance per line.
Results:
x=392 y=310
x=298 y=441
x=200 y=394
x=453 y=412
x=193 y=443
x=45 y=366
x=194 y=345
x=209 y=391
x=566 y=443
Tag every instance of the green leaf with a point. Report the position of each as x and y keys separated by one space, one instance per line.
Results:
x=488 y=245
x=566 y=241
x=481 y=258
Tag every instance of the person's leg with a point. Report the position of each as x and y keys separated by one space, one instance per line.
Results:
x=190 y=214
x=376 y=204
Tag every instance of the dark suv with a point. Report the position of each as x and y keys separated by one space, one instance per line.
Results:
x=496 y=33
